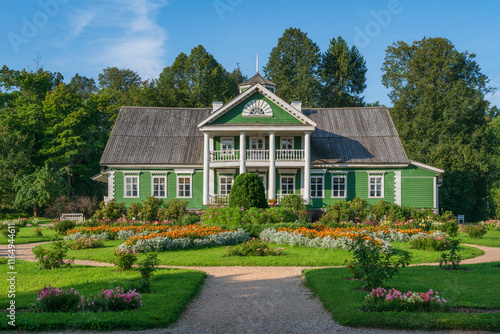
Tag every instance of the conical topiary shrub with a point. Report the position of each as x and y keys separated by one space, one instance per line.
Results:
x=247 y=191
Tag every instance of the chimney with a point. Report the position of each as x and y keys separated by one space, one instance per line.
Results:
x=216 y=105
x=297 y=105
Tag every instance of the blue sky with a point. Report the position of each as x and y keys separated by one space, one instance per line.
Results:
x=146 y=35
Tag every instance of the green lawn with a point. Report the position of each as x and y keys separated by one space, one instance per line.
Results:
x=491 y=239
x=174 y=289
x=293 y=256
x=27 y=235
x=477 y=288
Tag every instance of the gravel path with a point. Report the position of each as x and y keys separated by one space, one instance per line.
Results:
x=256 y=300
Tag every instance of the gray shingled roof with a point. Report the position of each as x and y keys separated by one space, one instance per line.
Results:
x=170 y=136
x=156 y=136
x=355 y=135
x=257 y=79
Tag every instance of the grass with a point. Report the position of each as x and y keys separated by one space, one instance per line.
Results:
x=491 y=239
x=27 y=235
x=293 y=256
x=477 y=288
x=173 y=290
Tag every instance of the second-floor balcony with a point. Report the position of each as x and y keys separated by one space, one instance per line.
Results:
x=257 y=155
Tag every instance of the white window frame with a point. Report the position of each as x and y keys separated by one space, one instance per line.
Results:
x=190 y=177
x=158 y=176
x=132 y=175
x=220 y=183
x=375 y=175
x=322 y=178
x=257 y=139
x=227 y=151
x=281 y=184
x=340 y=175
x=287 y=139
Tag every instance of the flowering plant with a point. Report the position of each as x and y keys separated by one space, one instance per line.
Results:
x=380 y=299
x=436 y=242
x=52 y=299
x=254 y=247
x=112 y=300
x=124 y=259
x=85 y=242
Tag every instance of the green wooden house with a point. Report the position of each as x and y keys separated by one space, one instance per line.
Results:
x=323 y=154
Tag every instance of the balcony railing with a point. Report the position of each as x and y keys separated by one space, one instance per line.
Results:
x=224 y=155
x=289 y=154
x=219 y=199
x=257 y=155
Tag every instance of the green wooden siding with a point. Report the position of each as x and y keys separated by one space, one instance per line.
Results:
x=234 y=116
x=418 y=192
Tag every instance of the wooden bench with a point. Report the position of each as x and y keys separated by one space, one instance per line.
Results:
x=72 y=216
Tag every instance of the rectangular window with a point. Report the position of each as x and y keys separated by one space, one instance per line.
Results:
x=184 y=187
x=286 y=143
x=339 y=186
x=227 y=146
x=159 y=186
x=376 y=186
x=225 y=184
x=257 y=144
x=317 y=187
x=131 y=185
x=287 y=185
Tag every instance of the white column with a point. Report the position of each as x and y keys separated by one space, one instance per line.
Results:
x=206 y=169
x=307 y=167
x=243 y=154
x=272 y=166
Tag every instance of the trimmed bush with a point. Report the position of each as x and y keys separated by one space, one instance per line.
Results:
x=63 y=226
x=173 y=210
x=52 y=259
x=111 y=211
x=476 y=231
x=247 y=192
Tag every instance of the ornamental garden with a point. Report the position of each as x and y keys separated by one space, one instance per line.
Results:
x=375 y=246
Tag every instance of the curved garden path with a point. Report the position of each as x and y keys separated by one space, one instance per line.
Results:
x=256 y=300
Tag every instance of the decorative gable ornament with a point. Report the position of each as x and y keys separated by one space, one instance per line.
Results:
x=257 y=108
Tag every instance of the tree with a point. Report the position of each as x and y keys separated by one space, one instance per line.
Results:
x=83 y=85
x=293 y=66
x=343 y=74
x=39 y=189
x=119 y=79
x=439 y=111
x=247 y=192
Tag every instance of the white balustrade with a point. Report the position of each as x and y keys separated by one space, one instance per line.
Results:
x=258 y=155
x=289 y=154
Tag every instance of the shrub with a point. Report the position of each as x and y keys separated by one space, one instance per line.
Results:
x=38 y=232
x=111 y=210
x=52 y=259
x=449 y=224
x=124 y=259
x=63 y=226
x=451 y=259
x=85 y=242
x=83 y=204
x=147 y=268
x=150 y=208
x=381 y=299
x=233 y=216
x=8 y=230
x=189 y=218
x=433 y=243
x=476 y=231
x=57 y=300
x=173 y=210
x=112 y=300
x=293 y=201
x=372 y=266
x=380 y=210
x=336 y=213
x=3 y=260
x=254 y=247
x=247 y=192
x=134 y=211
x=360 y=209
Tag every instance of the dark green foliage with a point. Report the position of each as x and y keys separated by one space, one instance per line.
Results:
x=439 y=112
x=450 y=224
x=247 y=192
x=118 y=79
x=254 y=247
x=476 y=231
x=373 y=267
x=452 y=258
x=339 y=211
x=134 y=211
x=124 y=259
x=431 y=243
x=343 y=74
x=57 y=300
x=64 y=225
x=150 y=208
x=174 y=210
x=111 y=211
x=293 y=201
x=147 y=267
x=8 y=230
x=53 y=258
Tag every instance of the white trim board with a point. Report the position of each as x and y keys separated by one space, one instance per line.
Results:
x=424 y=166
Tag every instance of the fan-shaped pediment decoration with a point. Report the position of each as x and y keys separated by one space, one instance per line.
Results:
x=256 y=108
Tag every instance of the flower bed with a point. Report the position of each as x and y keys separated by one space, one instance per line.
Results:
x=436 y=242
x=222 y=215
x=380 y=299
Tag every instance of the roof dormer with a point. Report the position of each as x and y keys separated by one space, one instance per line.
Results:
x=257 y=79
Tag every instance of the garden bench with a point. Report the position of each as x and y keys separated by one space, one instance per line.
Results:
x=461 y=218
x=72 y=216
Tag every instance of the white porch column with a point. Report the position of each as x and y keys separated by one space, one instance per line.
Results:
x=272 y=166
x=307 y=167
x=243 y=154
x=206 y=169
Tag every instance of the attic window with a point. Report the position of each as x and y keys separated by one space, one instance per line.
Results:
x=257 y=108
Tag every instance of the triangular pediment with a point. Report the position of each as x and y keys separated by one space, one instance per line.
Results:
x=257 y=105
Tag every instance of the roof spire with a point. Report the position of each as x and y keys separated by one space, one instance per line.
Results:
x=257 y=64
